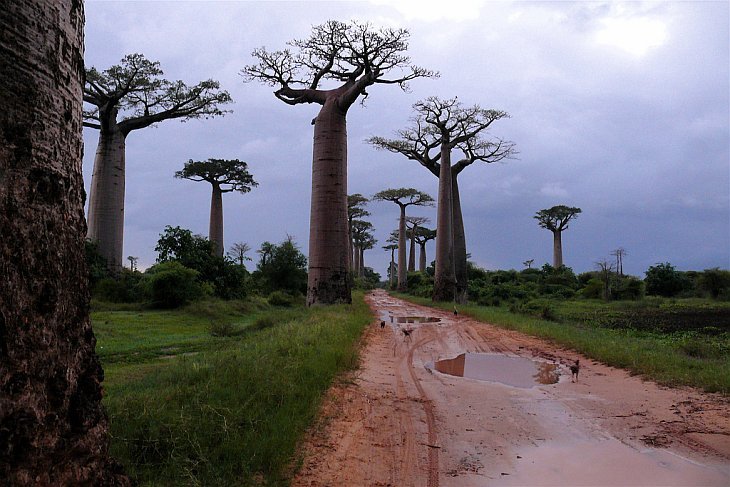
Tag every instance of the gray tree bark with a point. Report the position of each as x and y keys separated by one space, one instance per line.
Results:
x=557 y=248
x=460 y=265
x=412 y=253
x=444 y=286
x=106 y=196
x=402 y=266
x=328 y=281
x=53 y=430
x=215 y=229
x=422 y=258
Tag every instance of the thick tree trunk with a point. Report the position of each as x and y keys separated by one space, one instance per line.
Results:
x=557 y=249
x=402 y=266
x=412 y=253
x=361 y=263
x=422 y=258
x=356 y=262
x=215 y=230
x=53 y=430
x=444 y=286
x=460 y=266
x=106 y=196
x=328 y=280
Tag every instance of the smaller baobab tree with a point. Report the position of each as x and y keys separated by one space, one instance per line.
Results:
x=413 y=223
x=129 y=96
x=238 y=252
x=556 y=220
x=528 y=263
x=361 y=234
x=224 y=175
x=403 y=197
x=333 y=67
x=619 y=254
x=423 y=235
x=392 y=246
x=605 y=269
x=265 y=251
x=355 y=211
x=132 y=262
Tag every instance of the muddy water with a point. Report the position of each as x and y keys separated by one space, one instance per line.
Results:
x=511 y=371
x=414 y=319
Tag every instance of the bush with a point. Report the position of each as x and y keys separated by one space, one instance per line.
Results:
x=280 y=298
x=223 y=329
x=593 y=289
x=171 y=284
x=664 y=280
x=715 y=282
x=263 y=322
x=629 y=288
x=124 y=289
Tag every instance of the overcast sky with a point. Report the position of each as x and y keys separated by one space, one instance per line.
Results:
x=619 y=108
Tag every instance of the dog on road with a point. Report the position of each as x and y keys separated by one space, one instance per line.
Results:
x=574 y=369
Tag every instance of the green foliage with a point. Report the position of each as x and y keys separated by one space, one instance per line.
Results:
x=224 y=329
x=126 y=288
x=229 y=281
x=665 y=280
x=227 y=410
x=226 y=174
x=557 y=217
x=95 y=262
x=281 y=298
x=285 y=268
x=715 y=282
x=171 y=285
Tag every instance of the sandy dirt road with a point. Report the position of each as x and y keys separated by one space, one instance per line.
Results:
x=399 y=422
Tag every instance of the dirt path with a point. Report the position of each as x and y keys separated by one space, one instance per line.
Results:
x=399 y=422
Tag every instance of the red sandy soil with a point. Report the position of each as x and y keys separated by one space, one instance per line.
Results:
x=398 y=422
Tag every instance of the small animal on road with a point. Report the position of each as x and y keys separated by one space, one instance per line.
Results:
x=574 y=369
x=382 y=324
x=406 y=333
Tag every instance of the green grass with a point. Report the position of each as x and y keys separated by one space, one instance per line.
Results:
x=190 y=408
x=679 y=358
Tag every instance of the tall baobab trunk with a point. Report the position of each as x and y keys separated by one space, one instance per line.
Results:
x=356 y=262
x=444 y=286
x=460 y=265
x=361 y=263
x=328 y=281
x=106 y=196
x=557 y=249
x=422 y=258
x=52 y=425
x=412 y=253
x=215 y=230
x=402 y=269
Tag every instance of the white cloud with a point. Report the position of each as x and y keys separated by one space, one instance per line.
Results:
x=633 y=35
x=554 y=190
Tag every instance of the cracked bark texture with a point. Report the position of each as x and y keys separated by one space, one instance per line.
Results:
x=53 y=430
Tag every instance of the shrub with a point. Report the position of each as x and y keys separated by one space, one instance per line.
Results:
x=223 y=329
x=171 y=284
x=664 y=280
x=263 y=322
x=280 y=298
x=123 y=289
x=715 y=282
x=592 y=290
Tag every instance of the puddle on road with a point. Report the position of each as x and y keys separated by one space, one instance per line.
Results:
x=414 y=319
x=511 y=371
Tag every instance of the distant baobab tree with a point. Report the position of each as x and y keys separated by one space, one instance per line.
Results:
x=353 y=56
x=132 y=262
x=266 y=251
x=619 y=254
x=413 y=223
x=438 y=127
x=238 y=252
x=361 y=236
x=423 y=235
x=605 y=268
x=556 y=220
x=129 y=96
x=53 y=429
x=392 y=246
x=528 y=263
x=403 y=197
x=224 y=175
x=355 y=210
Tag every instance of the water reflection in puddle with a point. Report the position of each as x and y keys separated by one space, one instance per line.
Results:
x=414 y=319
x=512 y=371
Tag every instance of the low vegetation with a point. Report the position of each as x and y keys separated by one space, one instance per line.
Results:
x=220 y=392
x=675 y=342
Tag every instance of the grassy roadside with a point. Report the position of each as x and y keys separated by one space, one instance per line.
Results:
x=191 y=408
x=665 y=358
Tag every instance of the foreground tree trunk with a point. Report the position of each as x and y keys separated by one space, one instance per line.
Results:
x=106 y=196
x=444 y=286
x=328 y=281
x=557 y=248
x=392 y=268
x=361 y=263
x=412 y=252
x=53 y=430
x=422 y=258
x=460 y=265
x=215 y=230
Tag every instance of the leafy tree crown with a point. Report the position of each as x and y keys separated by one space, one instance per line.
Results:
x=556 y=218
x=404 y=197
x=226 y=174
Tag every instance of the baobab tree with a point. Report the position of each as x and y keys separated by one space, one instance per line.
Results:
x=619 y=254
x=392 y=242
x=129 y=96
x=413 y=223
x=423 y=236
x=556 y=220
x=361 y=233
x=53 y=429
x=438 y=127
x=403 y=197
x=355 y=210
x=132 y=262
x=528 y=263
x=238 y=252
x=265 y=251
x=352 y=56
x=368 y=242
x=224 y=175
